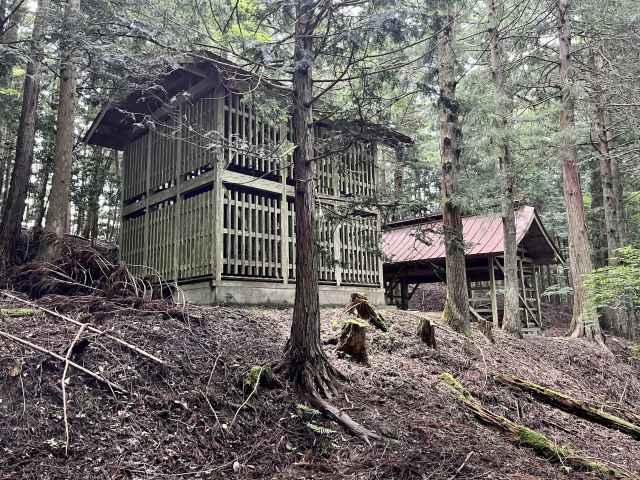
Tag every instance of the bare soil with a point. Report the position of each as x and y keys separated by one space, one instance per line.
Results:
x=178 y=421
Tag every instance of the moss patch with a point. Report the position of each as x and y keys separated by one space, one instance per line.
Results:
x=264 y=375
x=18 y=312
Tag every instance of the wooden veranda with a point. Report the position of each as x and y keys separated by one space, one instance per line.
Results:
x=414 y=254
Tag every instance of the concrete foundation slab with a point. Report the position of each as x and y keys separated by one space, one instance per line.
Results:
x=241 y=292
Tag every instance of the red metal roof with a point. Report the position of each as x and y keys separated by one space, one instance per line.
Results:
x=482 y=236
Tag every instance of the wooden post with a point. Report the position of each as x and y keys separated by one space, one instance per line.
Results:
x=337 y=255
x=218 y=190
x=404 y=295
x=535 y=281
x=177 y=213
x=523 y=296
x=147 y=190
x=492 y=292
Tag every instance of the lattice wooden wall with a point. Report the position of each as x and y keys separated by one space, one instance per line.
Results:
x=173 y=208
x=251 y=233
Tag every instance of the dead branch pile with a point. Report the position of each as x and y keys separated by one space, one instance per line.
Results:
x=83 y=268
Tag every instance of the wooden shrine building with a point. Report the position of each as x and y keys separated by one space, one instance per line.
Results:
x=414 y=253
x=207 y=188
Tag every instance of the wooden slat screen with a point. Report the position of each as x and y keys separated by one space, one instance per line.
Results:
x=133 y=243
x=134 y=166
x=251 y=234
x=200 y=137
x=161 y=240
x=251 y=142
x=196 y=235
x=164 y=141
x=359 y=241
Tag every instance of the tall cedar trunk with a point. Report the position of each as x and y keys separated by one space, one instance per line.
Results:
x=596 y=216
x=57 y=222
x=308 y=366
x=456 y=310
x=607 y=163
x=13 y=210
x=511 y=319
x=8 y=35
x=584 y=322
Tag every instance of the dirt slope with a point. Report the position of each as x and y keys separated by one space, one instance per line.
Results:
x=176 y=422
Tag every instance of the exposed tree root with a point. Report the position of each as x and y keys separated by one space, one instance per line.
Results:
x=582 y=409
x=341 y=418
x=527 y=436
x=315 y=380
x=314 y=375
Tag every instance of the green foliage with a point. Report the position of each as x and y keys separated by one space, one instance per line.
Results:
x=319 y=429
x=305 y=411
x=617 y=285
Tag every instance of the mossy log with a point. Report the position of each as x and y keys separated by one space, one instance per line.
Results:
x=360 y=303
x=353 y=339
x=18 y=312
x=579 y=408
x=526 y=436
x=427 y=332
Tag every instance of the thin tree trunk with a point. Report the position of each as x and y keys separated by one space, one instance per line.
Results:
x=456 y=310
x=15 y=203
x=101 y=166
x=308 y=366
x=597 y=216
x=57 y=214
x=511 y=318
x=41 y=196
x=584 y=322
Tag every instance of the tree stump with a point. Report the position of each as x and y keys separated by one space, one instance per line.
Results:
x=353 y=340
x=427 y=333
x=360 y=303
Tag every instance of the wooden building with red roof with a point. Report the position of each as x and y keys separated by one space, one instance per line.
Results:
x=414 y=253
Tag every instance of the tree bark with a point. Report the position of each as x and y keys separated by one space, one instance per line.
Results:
x=101 y=166
x=307 y=364
x=57 y=222
x=41 y=196
x=607 y=163
x=597 y=216
x=14 y=206
x=511 y=318
x=584 y=322
x=456 y=310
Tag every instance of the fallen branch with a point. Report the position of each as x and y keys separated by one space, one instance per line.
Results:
x=342 y=418
x=38 y=348
x=527 y=436
x=89 y=327
x=579 y=408
x=64 y=388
